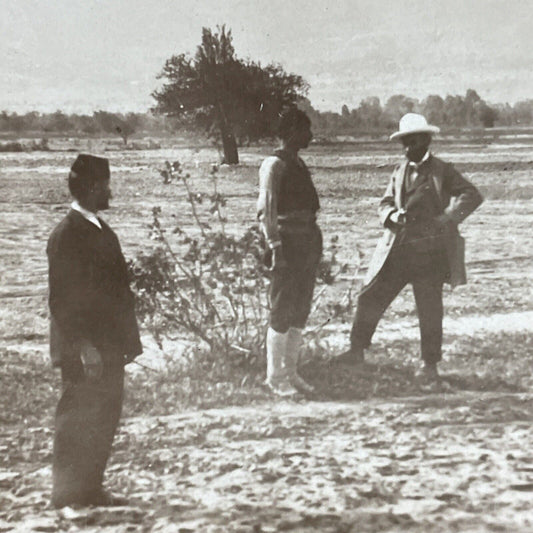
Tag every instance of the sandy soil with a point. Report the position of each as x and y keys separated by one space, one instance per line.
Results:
x=458 y=462
x=456 y=458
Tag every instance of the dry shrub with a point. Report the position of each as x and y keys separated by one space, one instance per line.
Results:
x=211 y=285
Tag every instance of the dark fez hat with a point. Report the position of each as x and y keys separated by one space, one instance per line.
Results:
x=91 y=167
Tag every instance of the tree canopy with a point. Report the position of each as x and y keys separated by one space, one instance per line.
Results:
x=225 y=95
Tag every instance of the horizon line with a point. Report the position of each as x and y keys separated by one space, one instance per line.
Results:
x=148 y=110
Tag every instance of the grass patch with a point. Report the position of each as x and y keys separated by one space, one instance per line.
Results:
x=30 y=388
x=495 y=362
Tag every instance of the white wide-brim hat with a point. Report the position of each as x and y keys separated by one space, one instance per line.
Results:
x=413 y=123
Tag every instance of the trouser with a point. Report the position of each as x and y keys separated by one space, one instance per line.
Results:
x=426 y=271
x=291 y=288
x=87 y=416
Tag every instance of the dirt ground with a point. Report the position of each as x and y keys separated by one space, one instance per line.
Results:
x=373 y=451
x=458 y=462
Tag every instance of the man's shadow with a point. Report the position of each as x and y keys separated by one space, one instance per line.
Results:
x=340 y=382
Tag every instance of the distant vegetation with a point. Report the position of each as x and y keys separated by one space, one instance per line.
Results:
x=371 y=117
x=100 y=122
x=450 y=113
x=235 y=102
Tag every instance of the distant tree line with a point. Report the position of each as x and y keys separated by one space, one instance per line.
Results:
x=370 y=116
x=100 y=122
x=451 y=112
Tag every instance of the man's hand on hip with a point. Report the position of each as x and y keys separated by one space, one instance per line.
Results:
x=396 y=220
x=93 y=365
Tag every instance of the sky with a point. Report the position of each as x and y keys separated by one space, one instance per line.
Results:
x=85 y=55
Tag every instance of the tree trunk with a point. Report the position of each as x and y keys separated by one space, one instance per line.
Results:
x=229 y=143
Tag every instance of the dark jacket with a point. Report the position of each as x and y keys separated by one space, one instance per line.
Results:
x=455 y=197
x=89 y=296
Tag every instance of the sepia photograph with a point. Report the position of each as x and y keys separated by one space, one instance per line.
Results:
x=266 y=266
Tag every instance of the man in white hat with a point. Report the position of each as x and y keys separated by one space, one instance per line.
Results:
x=424 y=203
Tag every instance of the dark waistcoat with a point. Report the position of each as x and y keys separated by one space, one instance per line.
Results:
x=422 y=206
x=296 y=190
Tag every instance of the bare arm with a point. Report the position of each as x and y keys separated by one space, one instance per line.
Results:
x=267 y=204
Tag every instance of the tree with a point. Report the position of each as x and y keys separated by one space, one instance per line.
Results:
x=472 y=99
x=523 y=112
x=127 y=126
x=396 y=107
x=114 y=123
x=369 y=112
x=14 y=122
x=433 y=109
x=345 y=112
x=485 y=114
x=454 y=111
x=58 y=121
x=316 y=117
x=217 y=91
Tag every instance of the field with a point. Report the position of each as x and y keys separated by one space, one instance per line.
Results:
x=373 y=451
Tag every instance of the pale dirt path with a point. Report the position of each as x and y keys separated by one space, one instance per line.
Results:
x=469 y=325
x=435 y=464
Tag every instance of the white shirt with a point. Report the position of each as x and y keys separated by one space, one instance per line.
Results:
x=88 y=215
x=412 y=175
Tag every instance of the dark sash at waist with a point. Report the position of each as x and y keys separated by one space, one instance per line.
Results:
x=297 y=221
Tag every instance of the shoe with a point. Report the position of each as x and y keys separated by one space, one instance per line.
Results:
x=428 y=373
x=281 y=387
x=302 y=385
x=106 y=499
x=292 y=355
x=103 y=498
x=352 y=357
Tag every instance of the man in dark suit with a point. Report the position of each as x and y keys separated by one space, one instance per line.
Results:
x=93 y=335
x=424 y=203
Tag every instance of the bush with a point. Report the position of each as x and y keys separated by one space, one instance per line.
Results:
x=16 y=146
x=40 y=146
x=12 y=146
x=205 y=282
x=211 y=286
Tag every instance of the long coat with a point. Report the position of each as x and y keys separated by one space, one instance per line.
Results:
x=89 y=296
x=457 y=198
